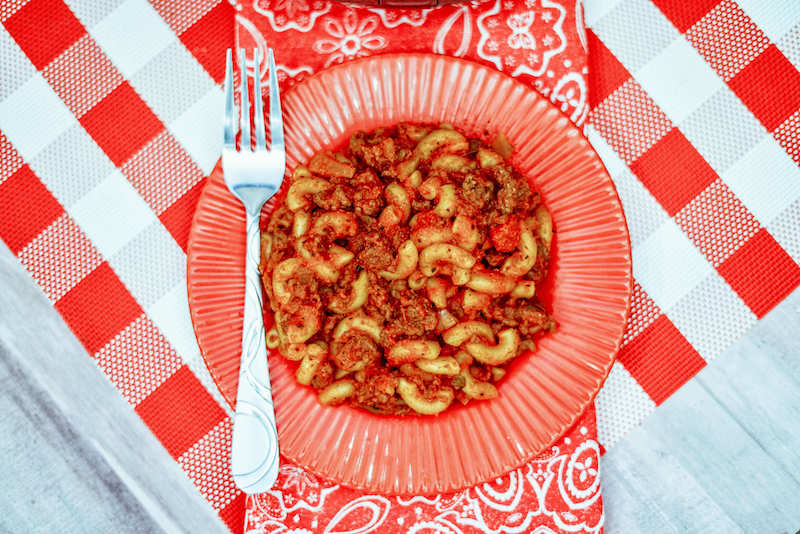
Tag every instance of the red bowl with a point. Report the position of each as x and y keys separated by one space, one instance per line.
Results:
x=590 y=284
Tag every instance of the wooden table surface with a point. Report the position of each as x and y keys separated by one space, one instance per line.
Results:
x=720 y=456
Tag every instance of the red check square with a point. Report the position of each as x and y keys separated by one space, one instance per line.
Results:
x=26 y=208
x=727 y=38
x=660 y=359
x=43 y=29
x=82 y=75
x=98 y=308
x=682 y=13
x=121 y=123
x=233 y=513
x=673 y=171
x=717 y=222
x=770 y=87
x=179 y=16
x=208 y=38
x=630 y=121
x=761 y=273
x=606 y=73
x=180 y=411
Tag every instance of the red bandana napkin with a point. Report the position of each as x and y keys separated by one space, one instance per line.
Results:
x=543 y=43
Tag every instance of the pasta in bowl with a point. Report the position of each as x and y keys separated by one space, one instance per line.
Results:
x=402 y=269
x=588 y=281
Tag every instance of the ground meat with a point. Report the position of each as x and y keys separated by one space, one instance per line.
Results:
x=378 y=152
x=355 y=351
x=420 y=204
x=323 y=377
x=501 y=174
x=304 y=286
x=328 y=325
x=505 y=233
x=281 y=219
x=480 y=372
x=334 y=198
x=398 y=235
x=417 y=316
x=494 y=259
x=528 y=318
x=368 y=193
x=376 y=252
x=391 y=334
x=377 y=393
x=378 y=304
x=340 y=294
x=477 y=190
x=514 y=196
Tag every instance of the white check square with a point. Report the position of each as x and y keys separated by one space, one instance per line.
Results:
x=170 y=314
x=635 y=31
x=712 y=316
x=92 y=12
x=773 y=17
x=621 y=405
x=17 y=68
x=722 y=129
x=668 y=266
x=596 y=9
x=679 y=80
x=112 y=214
x=789 y=45
x=72 y=165
x=150 y=264
x=132 y=35
x=33 y=116
x=765 y=179
x=171 y=82
x=199 y=129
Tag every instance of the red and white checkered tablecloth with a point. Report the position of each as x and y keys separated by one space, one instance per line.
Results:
x=109 y=120
x=695 y=110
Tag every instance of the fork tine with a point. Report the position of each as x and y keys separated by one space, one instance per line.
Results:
x=229 y=131
x=244 y=118
x=275 y=119
x=260 y=130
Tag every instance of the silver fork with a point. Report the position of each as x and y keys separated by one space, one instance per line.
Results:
x=253 y=176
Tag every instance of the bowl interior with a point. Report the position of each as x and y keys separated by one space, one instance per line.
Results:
x=588 y=290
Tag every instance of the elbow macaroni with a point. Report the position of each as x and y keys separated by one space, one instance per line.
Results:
x=411 y=350
x=407 y=258
x=302 y=188
x=506 y=348
x=401 y=272
x=444 y=253
x=417 y=402
x=367 y=325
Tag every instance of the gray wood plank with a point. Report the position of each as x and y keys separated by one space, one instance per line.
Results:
x=719 y=455
x=660 y=494
x=54 y=473
x=115 y=475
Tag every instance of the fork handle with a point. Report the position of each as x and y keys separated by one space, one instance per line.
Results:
x=254 y=454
